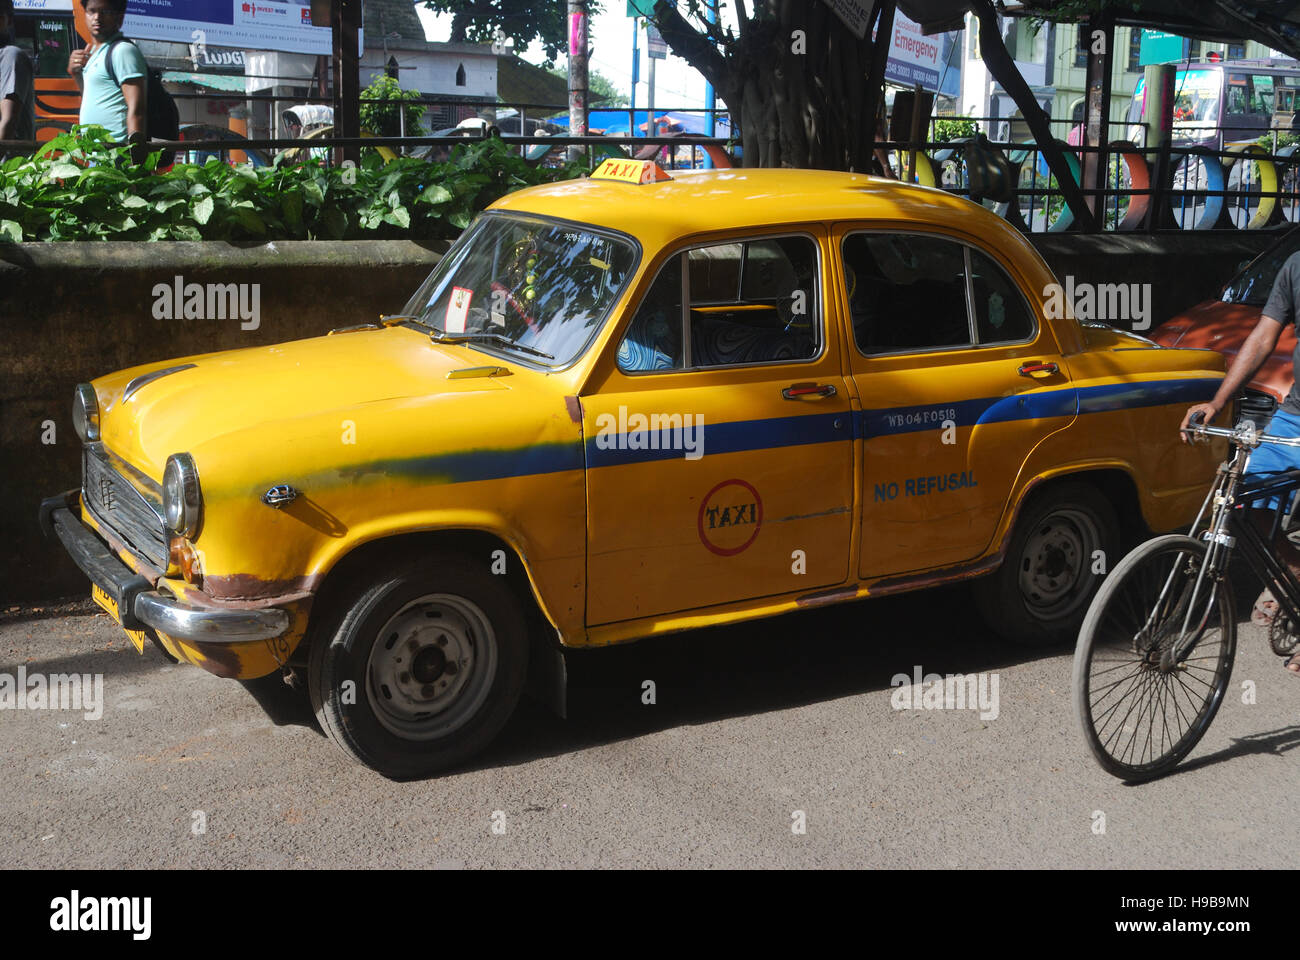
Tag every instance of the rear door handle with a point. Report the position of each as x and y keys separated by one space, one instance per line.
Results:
x=797 y=391
x=1038 y=369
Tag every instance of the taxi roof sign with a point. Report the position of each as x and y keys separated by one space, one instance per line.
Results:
x=630 y=171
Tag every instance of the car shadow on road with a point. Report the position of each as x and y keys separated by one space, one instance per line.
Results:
x=704 y=676
x=708 y=675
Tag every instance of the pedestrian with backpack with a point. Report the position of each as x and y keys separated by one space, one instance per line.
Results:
x=118 y=90
x=111 y=74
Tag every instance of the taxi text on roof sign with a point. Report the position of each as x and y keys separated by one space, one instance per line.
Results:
x=630 y=171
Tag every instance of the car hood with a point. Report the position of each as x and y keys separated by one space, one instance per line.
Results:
x=1224 y=327
x=149 y=412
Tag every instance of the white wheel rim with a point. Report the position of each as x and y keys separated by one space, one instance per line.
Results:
x=431 y=667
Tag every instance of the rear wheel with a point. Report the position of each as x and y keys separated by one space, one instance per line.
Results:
x=1059 y=551
x=421 y=667
x=1141 y=708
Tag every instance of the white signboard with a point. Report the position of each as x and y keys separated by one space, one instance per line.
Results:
x=283 y=25
x=43 y=6
x=914 y=57
x=856 y=14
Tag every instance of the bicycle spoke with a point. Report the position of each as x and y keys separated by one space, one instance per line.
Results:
x=1142 y=713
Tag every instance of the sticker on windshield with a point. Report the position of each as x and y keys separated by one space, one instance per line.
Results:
x=458 y=309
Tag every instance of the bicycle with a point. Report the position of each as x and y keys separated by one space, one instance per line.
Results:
x=1158 y=641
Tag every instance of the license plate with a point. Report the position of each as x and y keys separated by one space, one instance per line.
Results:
x=109 y=605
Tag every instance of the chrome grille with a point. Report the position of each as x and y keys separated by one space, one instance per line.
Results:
x=120 y=507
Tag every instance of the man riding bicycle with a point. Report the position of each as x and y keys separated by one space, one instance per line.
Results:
x=1282 y=308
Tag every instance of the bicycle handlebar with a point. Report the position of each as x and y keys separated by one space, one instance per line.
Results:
x=1242 y=435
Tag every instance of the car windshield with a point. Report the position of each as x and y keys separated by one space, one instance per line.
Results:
x=1253 y=284
x=524 y=284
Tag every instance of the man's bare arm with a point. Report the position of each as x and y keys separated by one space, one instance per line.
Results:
x=76 y=65
x=137 y=103
x=8 y=117
x=1258 y=347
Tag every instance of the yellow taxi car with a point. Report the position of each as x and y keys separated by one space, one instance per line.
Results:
x=622 y=406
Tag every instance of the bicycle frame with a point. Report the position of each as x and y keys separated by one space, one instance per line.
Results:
x=1228 y=502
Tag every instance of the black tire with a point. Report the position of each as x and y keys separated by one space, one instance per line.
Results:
x=1040 y=593
x=436 y=651
x=1124 y=679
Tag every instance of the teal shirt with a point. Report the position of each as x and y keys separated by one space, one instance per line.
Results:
x=102 y=101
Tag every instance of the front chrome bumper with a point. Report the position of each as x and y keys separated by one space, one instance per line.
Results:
x=137 y=602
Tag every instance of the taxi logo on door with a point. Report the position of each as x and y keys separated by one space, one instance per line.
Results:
x=730 y=517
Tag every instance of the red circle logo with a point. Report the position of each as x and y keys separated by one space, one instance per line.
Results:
x=730 y=517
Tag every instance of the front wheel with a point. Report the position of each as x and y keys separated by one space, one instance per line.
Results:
x=421 y=666
x=1153 y=659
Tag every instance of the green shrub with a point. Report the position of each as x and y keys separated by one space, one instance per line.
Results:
x=947 y=129
x=79 y=187
x=384 y=119
x=1283 y=140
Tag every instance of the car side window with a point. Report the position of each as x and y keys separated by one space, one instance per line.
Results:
x=754 y=301
x=906 y=292
x=654 y=339
x=751 y=301
x=1001 y=313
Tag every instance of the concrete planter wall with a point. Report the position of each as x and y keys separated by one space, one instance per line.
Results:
x=70 y=312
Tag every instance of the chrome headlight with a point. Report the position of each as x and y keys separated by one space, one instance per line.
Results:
x=85 y=413
x=182 y=498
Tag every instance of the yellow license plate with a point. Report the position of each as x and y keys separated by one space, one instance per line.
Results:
x=109 y=606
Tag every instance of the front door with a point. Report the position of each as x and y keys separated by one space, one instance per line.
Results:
x=719 y=451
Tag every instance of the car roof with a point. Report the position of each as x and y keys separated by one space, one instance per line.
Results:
x=701 y=201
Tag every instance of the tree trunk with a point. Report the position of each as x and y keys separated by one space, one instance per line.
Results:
x=459 y=27
x=791 y=80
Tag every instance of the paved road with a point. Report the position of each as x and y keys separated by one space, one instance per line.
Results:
x=751 y=723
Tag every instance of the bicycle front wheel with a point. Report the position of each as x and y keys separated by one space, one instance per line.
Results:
x=1141 y=705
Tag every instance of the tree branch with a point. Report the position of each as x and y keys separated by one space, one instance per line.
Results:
x=691 y=45
x=1004 y=71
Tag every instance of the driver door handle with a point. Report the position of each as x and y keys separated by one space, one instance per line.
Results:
x=797 y=391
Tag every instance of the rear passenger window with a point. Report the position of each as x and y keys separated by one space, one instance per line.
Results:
x=1001 y=314
x=906 y=292
x=909 y=292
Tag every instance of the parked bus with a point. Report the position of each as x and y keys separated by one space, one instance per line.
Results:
x=1223 y=104
x=47 y=31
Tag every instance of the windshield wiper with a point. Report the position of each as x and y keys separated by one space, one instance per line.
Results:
x=497 y=337
x=389 y=319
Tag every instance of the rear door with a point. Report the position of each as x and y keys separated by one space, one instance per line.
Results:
x=958 y=382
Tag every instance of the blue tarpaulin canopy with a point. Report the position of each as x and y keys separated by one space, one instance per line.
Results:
x=673 y=121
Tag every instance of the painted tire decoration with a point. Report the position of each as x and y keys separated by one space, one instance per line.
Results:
x=1288 y=169
x=1139 y=178
x=1065 y=218
x=1267 y=181
x=926 y=174
x=1214 y=181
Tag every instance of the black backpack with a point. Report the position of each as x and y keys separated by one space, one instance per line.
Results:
x=162 y=118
